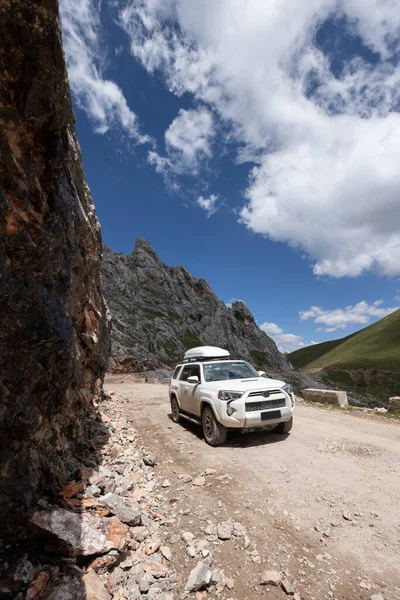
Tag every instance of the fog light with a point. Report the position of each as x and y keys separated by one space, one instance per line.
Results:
x=230 y=411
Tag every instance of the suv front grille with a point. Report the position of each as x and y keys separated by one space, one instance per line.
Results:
x=261 y=392
x=266 y=405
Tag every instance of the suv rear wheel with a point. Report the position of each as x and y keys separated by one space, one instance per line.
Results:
x=214 y=432
x=284 y=427
x=176 y=413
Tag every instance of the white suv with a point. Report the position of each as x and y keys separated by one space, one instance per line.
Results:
x=219 y=393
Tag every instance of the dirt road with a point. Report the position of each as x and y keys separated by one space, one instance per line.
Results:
x=321 y=505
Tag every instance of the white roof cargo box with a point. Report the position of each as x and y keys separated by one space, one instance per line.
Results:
x=204 y=352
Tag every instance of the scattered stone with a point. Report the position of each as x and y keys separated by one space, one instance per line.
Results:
x=24 y=573
x=72 y=489
x=376 y=597
x=187 y=537
x=210 y=530
x=210 y=472
x=200 y=577
x=94 y=587
x=127 y=514
x=199 y=481
x=296 y=596
x=225 y=530
x=149 y=460
x=153 y=547
x=38 y=586
x=287 y=587
x=166 y=483
x=347 y=516
x=191 y=551
x=271 y=578
x=154 y=568
x=166 y=552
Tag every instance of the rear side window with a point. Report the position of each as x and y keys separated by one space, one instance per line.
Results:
x=190 y=371
x=175 y=375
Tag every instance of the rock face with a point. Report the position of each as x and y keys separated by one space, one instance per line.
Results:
x=53 y=326
x=160 y=311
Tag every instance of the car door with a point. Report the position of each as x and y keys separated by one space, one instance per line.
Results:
x=183 y=386
x=191 y=390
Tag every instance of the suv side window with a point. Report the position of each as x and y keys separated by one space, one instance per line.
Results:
x=175 y=375
x=189 y=371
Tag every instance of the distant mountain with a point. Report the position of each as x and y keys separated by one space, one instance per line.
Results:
x=160 y=311
x=367 y=362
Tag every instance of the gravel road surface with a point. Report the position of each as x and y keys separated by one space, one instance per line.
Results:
x=321 y=505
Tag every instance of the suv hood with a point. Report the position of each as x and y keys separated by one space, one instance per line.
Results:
x=243 y=385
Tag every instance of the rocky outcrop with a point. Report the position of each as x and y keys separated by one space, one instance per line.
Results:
x=53 y=328
x=160 y=311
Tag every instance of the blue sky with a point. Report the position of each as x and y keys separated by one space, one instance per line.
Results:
x=256 y=144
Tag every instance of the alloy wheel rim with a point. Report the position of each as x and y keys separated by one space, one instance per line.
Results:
x=208 y=426
x=174 y=409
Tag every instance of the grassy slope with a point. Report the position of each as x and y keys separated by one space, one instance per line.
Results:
x=376 y=346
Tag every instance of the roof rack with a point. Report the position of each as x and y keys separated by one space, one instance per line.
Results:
x=205 y=359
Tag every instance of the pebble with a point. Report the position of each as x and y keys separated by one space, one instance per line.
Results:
x=199 y=481
x=187 y=537
x=166 y=483
x=225 y=530
x=287 y=587
x=270 y=578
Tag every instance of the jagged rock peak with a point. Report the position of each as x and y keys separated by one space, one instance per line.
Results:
x=160 y=311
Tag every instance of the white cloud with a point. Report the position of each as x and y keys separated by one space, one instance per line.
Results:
x=325 y=147
x=286 y=342
x=209 y=205
x=101 y=98
x=339 y=318
x=187 y=142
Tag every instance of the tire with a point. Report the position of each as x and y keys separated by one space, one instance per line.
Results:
x=284 y=427
x=214 y=433
x=176 y=413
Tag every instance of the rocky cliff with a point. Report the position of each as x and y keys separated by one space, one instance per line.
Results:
x=160 y=311
x=53 y=328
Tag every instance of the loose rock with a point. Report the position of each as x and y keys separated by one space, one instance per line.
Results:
x=270 y=578
x=200 y=577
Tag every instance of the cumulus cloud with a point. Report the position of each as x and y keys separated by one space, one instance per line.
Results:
x=101 y=99
x=339 y=318
x=187 y=143
x=325 y=144
x=286 y=342
x=209 y=205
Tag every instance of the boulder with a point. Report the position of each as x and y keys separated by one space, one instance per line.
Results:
x=83 y=534
x=333 y=397
x=394 y=404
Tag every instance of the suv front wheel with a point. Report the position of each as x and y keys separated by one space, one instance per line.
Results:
x=214 y=432
x=176 y=413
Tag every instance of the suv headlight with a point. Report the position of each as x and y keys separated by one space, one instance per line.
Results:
x=287 y=388
x=223 y=395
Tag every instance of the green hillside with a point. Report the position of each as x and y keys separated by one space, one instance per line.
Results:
x=375 y=347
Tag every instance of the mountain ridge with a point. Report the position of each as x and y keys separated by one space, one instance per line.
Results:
x=160 y=311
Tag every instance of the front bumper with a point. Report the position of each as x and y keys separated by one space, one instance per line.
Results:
x=246 y=418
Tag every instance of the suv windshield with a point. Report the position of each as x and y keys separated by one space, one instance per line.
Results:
x=228 y=370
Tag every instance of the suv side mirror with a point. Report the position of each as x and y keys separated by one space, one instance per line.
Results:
x=193 y=379
x=261 y=373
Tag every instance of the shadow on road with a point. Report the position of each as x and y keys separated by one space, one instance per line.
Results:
x=236 y=439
